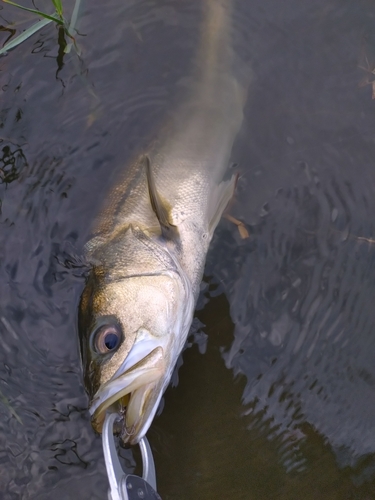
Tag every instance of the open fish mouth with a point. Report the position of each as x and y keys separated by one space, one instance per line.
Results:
x=132 y=391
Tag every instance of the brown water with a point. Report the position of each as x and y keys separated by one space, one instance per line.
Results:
x=276 y=393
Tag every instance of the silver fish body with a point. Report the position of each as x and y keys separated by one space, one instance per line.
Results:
x=150 y=241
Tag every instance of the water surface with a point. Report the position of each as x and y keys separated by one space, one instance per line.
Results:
x=276 y=390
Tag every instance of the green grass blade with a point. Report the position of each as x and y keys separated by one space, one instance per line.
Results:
x=72 y=25
x=37 y=12
x=73 y=20
x=58 y=7
x=25 y=35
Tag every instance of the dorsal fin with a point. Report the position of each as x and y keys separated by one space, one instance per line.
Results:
x=169 y=231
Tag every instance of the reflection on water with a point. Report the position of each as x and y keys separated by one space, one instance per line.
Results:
x=275 y=395
x=303 y=333
x=12 y=162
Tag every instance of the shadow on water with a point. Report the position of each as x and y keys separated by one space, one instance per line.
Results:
x=275 y=396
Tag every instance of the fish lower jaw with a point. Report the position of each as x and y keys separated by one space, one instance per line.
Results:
x=131 y=395
x=136 y=414
x=139 y=414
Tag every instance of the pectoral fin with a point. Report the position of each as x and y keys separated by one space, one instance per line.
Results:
x=169 y=231
x=219 y=200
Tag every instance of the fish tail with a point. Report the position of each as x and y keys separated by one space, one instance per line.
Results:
x=220 y=73
x=216 y=46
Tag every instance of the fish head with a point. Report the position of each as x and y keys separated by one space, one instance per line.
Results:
x=132 y=331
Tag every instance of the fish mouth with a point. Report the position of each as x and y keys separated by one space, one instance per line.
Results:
x=133 y=391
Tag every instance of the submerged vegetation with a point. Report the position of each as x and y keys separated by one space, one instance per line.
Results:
x=67 y=27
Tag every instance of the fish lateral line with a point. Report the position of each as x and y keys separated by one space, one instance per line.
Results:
x=118 y=279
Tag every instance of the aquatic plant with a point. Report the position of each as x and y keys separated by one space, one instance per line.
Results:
x=57 y=17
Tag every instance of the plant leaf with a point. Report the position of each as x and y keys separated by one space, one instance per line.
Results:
x=37 y=12
x=25 y=35
x=58 y=7
x=73 y=20
x=72 y=27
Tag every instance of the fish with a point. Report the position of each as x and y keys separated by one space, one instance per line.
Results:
x=149 y=243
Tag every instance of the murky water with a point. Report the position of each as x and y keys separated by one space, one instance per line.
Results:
x=276 y=393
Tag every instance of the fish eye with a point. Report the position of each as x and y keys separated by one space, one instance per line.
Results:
x=107 y=338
